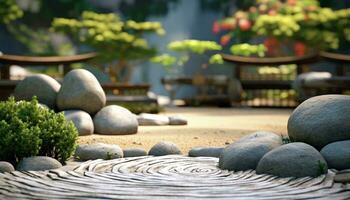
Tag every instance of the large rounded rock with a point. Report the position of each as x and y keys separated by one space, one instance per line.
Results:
x=134 y=152
x=81 y=120
x=293 y=160
x=38 y=163
x=246 y=153
x=40 y=85
x=337 y=155
x=205 y=152
x=6 y=167
x=164 y=148
x=80 y=90
x=321 y=120
x=98 y=151
x=115 y=120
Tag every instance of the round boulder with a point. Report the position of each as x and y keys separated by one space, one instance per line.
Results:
x=246 y=153
x=98 y=151
x=134 y=152
x=205 y=152
x=337 y=155
x=115 y=120
x=40 y=85
x=38 y=163
x=6 y=167
x=321 y=120
x=81 y=90
x=81 y=120
x=164 y=148
x=293 y=160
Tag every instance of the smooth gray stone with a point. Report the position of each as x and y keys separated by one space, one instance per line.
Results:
x=205 y=152
x=146 y=119
x=175 y=120
x=337 y=155
x=38 y=163
x=321 y=120
x=134 y=152
x=81 y=91
x=98 y=151
x=164 y=148
x=6 y=167
x=115 y=120
x=40 y=85
x=81 y=120
x=246 y=153
x=293 y=160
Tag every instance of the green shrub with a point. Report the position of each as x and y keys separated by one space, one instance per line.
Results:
x=27 y=129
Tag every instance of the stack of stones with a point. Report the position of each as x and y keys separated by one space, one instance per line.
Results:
x=82 y=100
x=319 y=129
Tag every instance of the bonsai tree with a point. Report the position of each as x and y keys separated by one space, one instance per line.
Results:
x=9 y=11
x=185 y=48
x=299 y=24
x=116 y=41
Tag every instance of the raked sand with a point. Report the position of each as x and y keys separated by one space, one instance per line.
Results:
x=206 y=127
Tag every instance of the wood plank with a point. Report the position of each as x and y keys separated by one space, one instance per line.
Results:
x=243 y=60
x=44 y=60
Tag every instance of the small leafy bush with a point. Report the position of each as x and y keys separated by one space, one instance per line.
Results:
x=27 y=129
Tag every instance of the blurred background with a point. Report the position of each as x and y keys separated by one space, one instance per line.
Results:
x=33 y=27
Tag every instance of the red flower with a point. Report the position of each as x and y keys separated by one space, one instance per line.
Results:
x=224 y=40
x=244 y=24
x=216 y=27
x=299 y=48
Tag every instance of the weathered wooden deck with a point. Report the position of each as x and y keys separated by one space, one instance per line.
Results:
x=167 y=177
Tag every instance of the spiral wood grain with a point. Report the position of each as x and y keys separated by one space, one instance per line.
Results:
x=166 y=177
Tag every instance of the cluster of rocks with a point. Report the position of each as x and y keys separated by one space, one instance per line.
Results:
x=320 y=135
x=111 y=151
x=82 y=99
x=323 y=122
x=34 y=163
x=266 y=153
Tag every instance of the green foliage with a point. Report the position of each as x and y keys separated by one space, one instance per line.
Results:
x=186 y=48
x=285 y=139
x=300 y=20
x=194 y=46
x=112 y=38
x=9 y=11
x=248 y=49
x=165 y=59
x=322 y=168
x=216 y=59
x=26 y=129
x=109 y=35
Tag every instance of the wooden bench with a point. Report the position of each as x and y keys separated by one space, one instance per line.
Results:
x=212 y=90
x=7 y=60
x=241 y=61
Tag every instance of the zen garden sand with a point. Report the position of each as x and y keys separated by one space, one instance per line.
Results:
x=206 y=127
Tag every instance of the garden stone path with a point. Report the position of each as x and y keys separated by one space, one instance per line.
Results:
x=165 y=177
